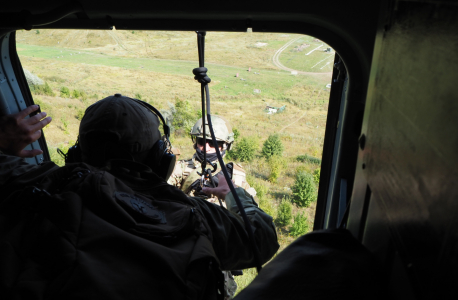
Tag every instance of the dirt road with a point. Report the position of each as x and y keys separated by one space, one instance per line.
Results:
x=278 y=64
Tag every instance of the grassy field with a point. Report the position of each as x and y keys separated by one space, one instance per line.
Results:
x=157 y=66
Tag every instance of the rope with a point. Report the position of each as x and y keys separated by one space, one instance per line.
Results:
x=202 y=78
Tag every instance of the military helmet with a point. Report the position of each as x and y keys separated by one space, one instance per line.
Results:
x=221 y=127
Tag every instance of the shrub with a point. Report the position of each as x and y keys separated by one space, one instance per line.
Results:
x=277 y=166
x=272 y=146
x=316 y=175
x=42 y=90
x=79 y=114
x=300 y=225
x=267 y=205
x=284 y=214
x=181 y=116
x=47 y=90
x=56 y=157
x=245 y=149
x=64 y=125
x=64 y=92
x=76 y=94
x=83 y=96
x=138 y=96
x=307 y=158
x=265 y=202
x=304 y=190
x=236 y=134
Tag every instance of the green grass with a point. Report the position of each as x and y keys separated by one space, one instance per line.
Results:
x=273 y=84
x=317 y=61
x=158 y=66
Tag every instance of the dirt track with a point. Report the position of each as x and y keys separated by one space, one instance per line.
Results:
x=278 y=64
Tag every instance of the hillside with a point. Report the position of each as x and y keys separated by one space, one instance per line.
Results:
x=157 y=67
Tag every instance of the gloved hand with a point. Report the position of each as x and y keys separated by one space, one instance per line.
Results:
x=221 y=190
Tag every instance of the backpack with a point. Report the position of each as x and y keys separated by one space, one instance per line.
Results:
x=82 y=233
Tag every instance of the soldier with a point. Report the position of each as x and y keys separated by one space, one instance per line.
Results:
x=108 y=226
x=186 y=177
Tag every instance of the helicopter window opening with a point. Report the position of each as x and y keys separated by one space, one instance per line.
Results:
x=272 y=87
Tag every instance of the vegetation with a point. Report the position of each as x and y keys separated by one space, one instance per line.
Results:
x=64 y=125
x=284 y=215
x=316 y=175
x=65 y=92
x=162 y=70
x=308 y=158
x=44 y=89
x=181 y=117
x=245 y=150
x=276 y=165
x=304 y=190
x=300 y=225
x=272 y=146
x=236 y=134
x=79 y=114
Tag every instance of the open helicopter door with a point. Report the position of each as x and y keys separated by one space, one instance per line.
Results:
x=14 y=91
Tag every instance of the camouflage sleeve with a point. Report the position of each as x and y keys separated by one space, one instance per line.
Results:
x=12 y=167
x=239 y=177
x=176 y=178
x=230 y=239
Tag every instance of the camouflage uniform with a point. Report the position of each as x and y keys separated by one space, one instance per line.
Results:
x=185 y=174
x=185 y=177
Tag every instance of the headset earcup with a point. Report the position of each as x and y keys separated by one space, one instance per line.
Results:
x=73 y=154
x=160 y=160
x=168 y=161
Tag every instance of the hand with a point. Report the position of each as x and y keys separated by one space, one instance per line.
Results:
x=16 y=132
x=221 y=190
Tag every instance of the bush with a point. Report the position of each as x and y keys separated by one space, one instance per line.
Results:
x=267 y=205
x=300 y=225
x=83 y=96
x=304 y=190
x=64 y=125
x=138 y=96
x=284 y=214
x=264 y=201
x=64 y=92
x=307 y=158
x=42 y=90
x=272 y=146
x=316 y=175
x=56 y=157
x=47 y=90
x=79 y=114
x=76 y=94
x=277 y=166
x=244 y=150
x=261 y=188
x=236 y=134
x=181 y=116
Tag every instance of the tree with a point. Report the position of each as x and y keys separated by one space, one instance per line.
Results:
x=272 y=146
x=304 y=189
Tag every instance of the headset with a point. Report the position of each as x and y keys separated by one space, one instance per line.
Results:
x=160 y=158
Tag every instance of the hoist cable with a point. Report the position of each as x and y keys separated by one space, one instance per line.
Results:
x=202 y=77
x=201 y=51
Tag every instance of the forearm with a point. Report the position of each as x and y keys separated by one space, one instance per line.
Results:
x=230 y=239
x=12 y=167
x=246 y=199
